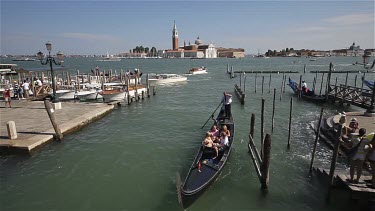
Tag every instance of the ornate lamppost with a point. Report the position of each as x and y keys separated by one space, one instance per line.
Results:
x=366 y=57
x=51 y=60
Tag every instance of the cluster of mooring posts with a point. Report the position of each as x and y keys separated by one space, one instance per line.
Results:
x=72 y=117
x=261 y=160
x=339 y=93
x=343 y=93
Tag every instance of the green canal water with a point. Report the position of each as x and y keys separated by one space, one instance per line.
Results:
x=128 y=160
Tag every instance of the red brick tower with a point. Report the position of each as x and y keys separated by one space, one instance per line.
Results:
x=174 y=37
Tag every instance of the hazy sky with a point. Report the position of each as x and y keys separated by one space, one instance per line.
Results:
x=95 y=27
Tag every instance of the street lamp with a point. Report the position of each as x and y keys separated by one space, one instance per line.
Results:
x=49 y=60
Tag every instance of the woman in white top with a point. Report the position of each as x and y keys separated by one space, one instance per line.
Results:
x=26 y=87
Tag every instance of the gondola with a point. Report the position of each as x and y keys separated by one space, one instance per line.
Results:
x=310 y=95
x=197 y=182
x=368 y=83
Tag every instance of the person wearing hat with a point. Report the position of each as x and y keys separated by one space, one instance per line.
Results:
x=353 y=125
x=6 y=95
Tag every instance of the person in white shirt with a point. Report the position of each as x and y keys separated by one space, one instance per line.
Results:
x=26 y=87
x=227 y=100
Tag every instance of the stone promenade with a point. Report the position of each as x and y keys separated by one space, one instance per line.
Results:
x=34 y=127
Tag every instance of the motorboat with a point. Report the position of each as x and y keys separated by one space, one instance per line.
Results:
x=165 y=78
x=198 y=70
x=109 y=58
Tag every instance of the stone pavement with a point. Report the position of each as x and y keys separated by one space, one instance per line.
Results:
x=34 y=127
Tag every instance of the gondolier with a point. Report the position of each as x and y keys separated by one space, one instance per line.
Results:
x=227 y=100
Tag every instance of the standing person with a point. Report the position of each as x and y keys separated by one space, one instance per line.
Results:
x=16 y=90
x=304 y=87
x=26 y=88
x=227 y=100
x=6 y=95
x=371 y=155
x=97 y=70
x=359 y=156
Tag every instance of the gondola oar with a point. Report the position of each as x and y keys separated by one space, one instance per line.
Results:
x=211 y=115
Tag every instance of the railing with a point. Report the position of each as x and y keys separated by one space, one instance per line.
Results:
x=353 y=95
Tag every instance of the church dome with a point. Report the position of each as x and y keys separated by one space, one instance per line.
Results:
x=198 y=41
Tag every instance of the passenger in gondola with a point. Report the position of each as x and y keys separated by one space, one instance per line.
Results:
x=209 y=150
x=225 y=130
x=224 y=142
x=214 y=132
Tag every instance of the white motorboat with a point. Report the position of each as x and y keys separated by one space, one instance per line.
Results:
x=109 y=58
x=198 y=70
x=165 y=78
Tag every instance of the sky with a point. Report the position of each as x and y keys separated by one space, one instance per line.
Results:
x=95 y=27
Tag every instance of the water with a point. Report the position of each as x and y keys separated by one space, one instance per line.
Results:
x=128 y=160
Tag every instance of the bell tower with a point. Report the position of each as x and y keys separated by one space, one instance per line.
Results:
x=174 y=37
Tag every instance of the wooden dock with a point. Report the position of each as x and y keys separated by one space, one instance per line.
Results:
x=34 y=127
x=361 y=190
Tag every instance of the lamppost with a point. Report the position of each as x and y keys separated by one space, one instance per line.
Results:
x=49 y=60
x=366 y=57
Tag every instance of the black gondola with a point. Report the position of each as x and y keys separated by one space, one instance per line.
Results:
x=309 y=95
x=196 y=182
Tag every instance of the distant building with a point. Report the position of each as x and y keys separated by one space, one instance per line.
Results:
x=354 y=50
x=231 y=52
x=196 y=50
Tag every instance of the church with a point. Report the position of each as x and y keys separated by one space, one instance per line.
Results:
x=196 y=50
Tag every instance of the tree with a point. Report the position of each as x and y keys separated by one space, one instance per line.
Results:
x=274 y=53
x=291 y=49
x=147 y=50
x=287 y=49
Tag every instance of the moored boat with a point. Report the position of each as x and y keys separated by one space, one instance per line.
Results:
x=309 y=95
x=198 y=70
x=205 y=169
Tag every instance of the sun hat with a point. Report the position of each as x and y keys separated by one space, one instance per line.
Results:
x=353 y=119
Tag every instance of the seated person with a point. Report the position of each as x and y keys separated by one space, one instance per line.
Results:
x=224 y=142
x=214 y=132
x=225 y=130
x=209 y=148
x=353 y=125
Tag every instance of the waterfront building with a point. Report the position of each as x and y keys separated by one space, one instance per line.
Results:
x=196 y=50
x=354 y=50
x=231 y=52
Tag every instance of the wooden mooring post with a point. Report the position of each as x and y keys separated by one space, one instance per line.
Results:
x=355 y=81
x=261 y=162
x=262 y=83
x=265 y=167
x=51 y=115
x=269 y=84
x=148 y=85
x=252 y=125
x=262 y=127
x=273 y=108
x=333 y=162
x=255 y=84
x=284 y=83
x=240 y=94
x=290 y=121
x=154 y=90
x=321 y=85
x=300 y=87
x=316 y=139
